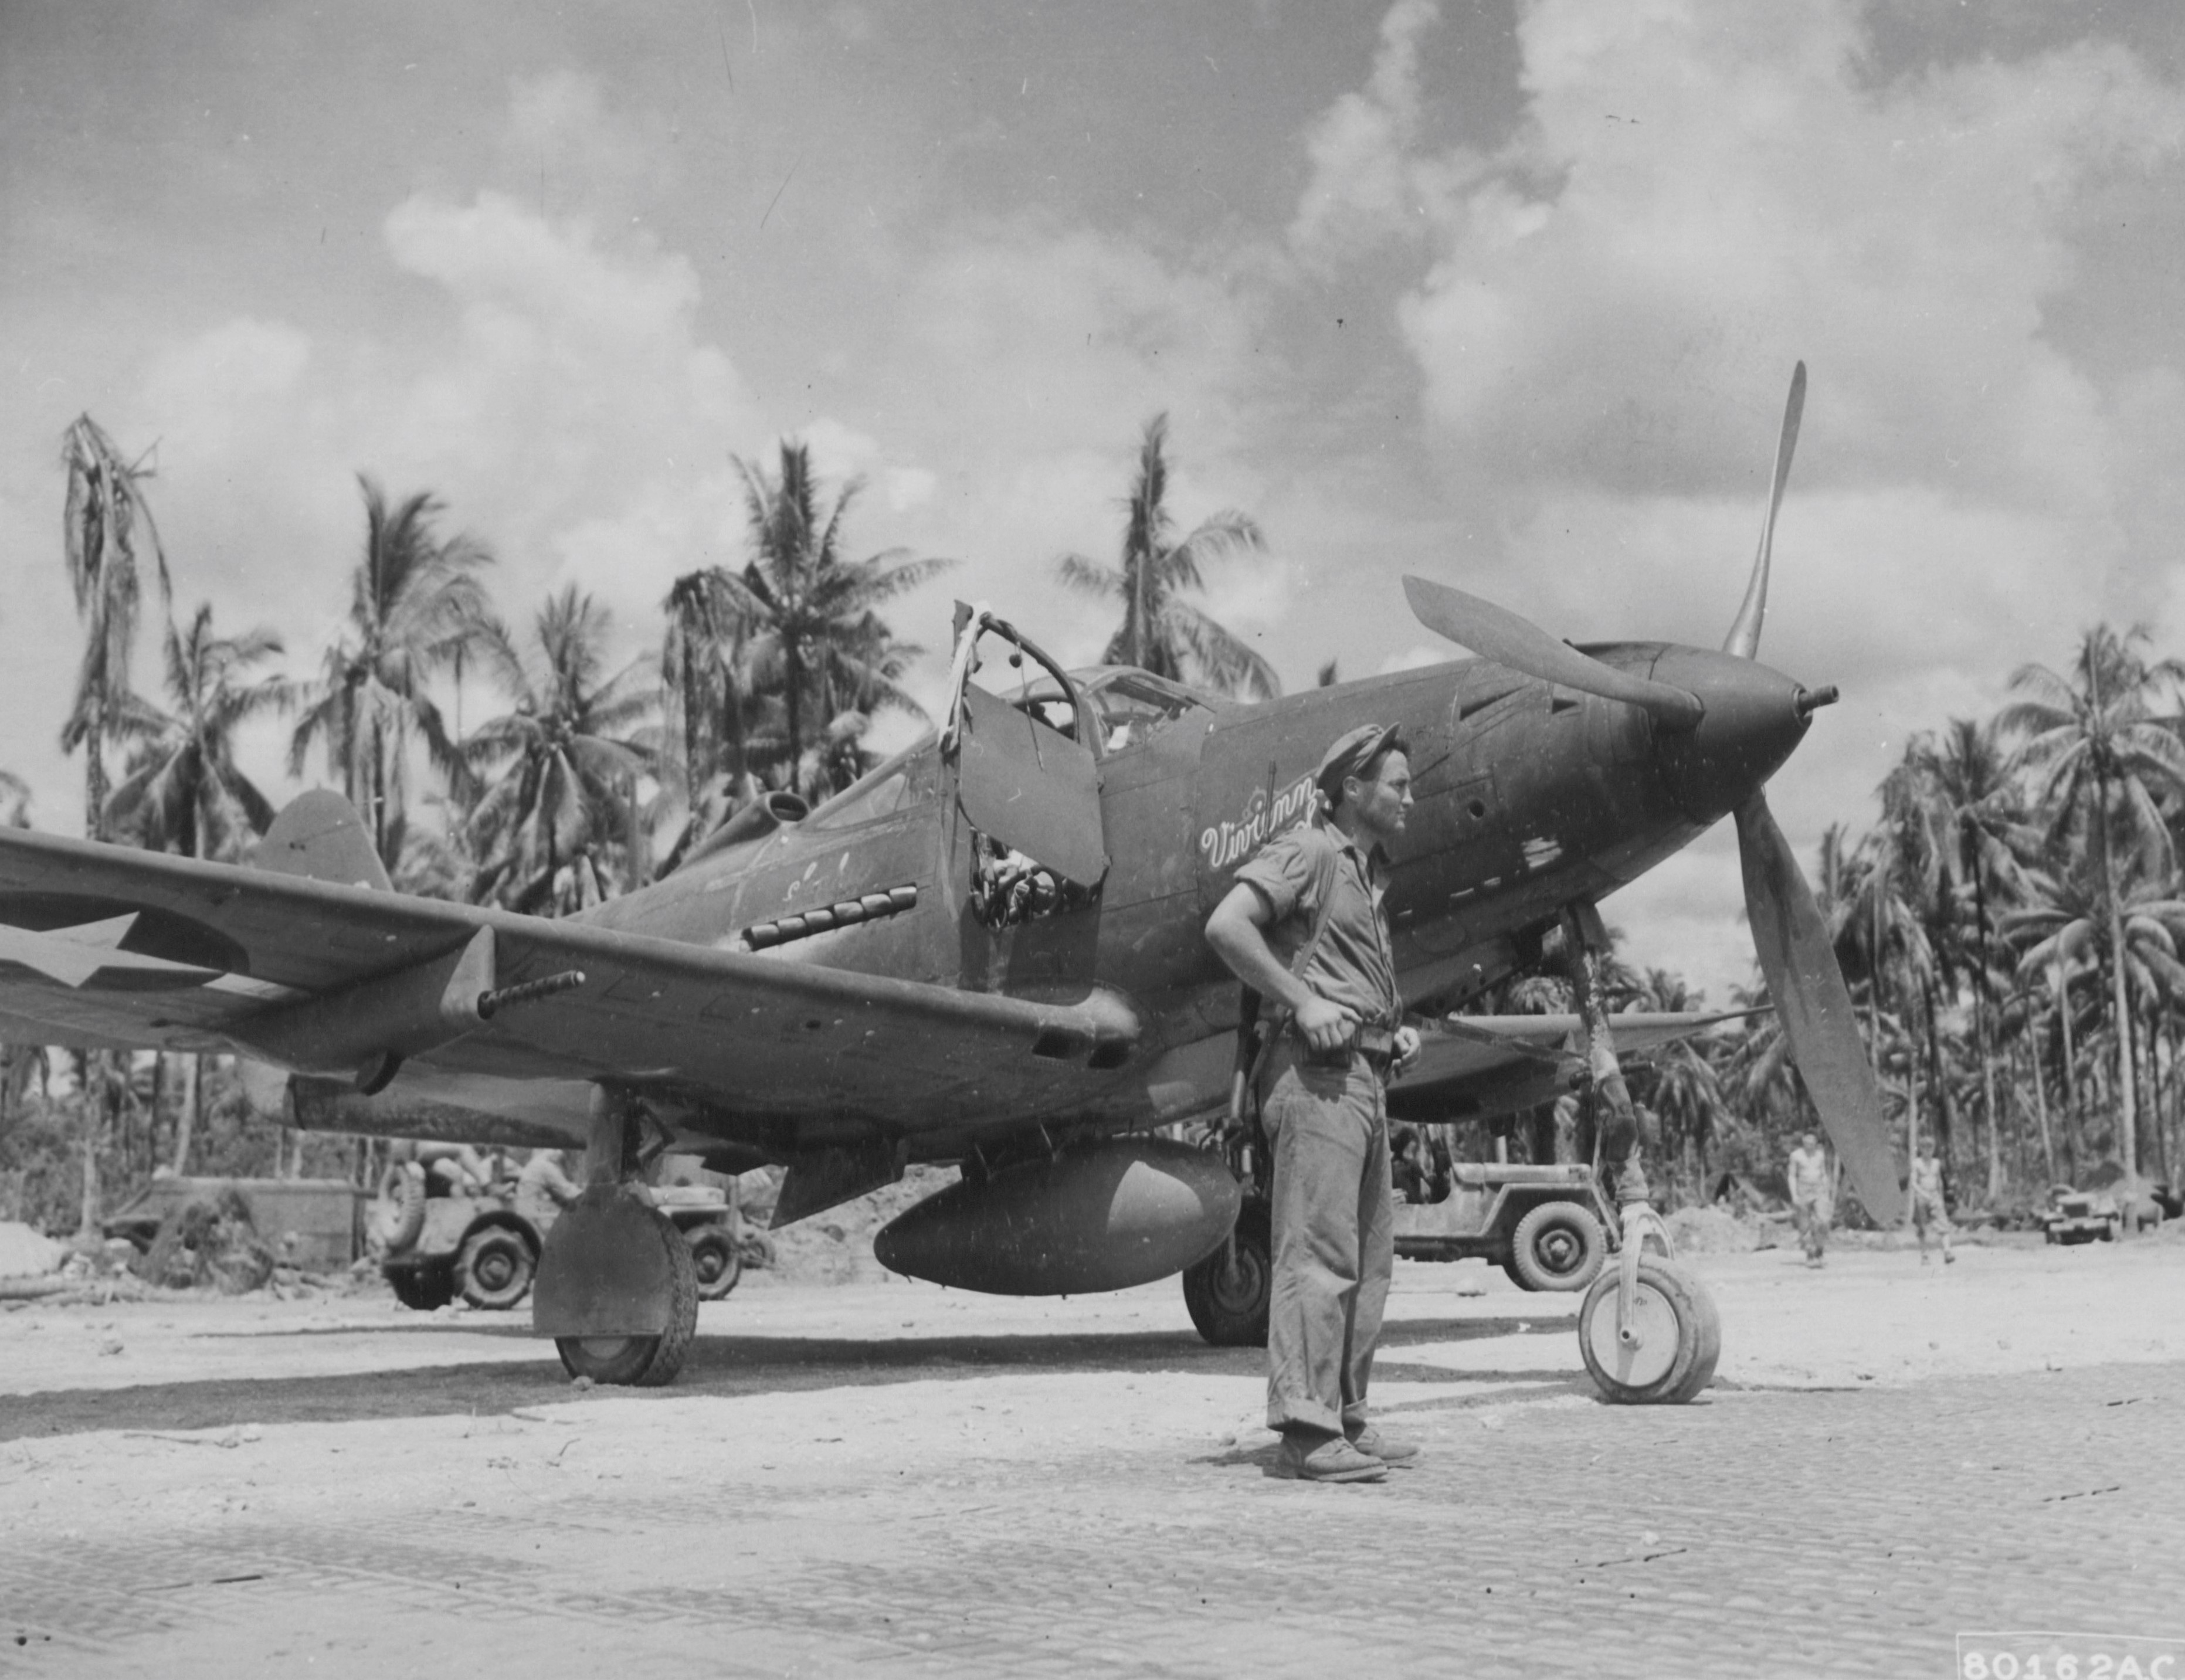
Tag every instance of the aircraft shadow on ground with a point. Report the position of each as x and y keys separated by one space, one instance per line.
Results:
x=717 y=1365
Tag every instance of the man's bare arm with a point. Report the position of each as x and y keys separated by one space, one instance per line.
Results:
x=1237 y=932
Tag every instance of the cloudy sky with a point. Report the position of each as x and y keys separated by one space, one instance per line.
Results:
x=1505 y=294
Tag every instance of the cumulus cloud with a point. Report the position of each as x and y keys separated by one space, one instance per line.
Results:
x=1602 y=314
x=1028 y=357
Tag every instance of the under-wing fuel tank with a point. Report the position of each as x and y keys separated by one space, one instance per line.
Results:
x=1109 y=1214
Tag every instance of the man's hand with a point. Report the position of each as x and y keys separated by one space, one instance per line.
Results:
x=1407 y=1050
x=1328 y=1027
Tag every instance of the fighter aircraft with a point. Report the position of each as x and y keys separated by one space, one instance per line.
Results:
x=988 y=951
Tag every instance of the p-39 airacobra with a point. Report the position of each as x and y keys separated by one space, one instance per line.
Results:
x=990 y=952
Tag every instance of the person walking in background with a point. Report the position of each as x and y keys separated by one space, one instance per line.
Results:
x=1928 y=1209
x=1808 y=1174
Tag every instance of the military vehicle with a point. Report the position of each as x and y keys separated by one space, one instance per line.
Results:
x=440 y=1237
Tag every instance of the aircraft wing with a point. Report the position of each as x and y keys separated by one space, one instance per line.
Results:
x=1474 y=1067
x=104 y=946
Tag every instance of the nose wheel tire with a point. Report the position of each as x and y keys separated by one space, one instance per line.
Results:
x=1676 y=1338
x=644 y=1361
x=1557 y=1247
x=1227 y=1293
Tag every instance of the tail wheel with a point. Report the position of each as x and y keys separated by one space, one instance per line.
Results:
x=644 y=1361
x=494 y=1269
x=1558 y=1246
x=1676 y=1338
x=1227 y=1293
x=713 y=1255
x=399 y=1217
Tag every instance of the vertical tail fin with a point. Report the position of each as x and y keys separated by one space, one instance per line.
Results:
x=319 y=836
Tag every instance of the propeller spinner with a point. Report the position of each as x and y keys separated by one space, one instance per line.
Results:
x=1722 y=733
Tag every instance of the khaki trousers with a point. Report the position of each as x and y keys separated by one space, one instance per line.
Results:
x=1334 y=1241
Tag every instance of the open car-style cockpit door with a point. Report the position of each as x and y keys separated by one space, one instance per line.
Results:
x=1025 y=776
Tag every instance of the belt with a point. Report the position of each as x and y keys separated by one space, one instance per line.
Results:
x=1376 y=1047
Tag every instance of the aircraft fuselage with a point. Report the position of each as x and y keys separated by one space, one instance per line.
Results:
x=1529 y=797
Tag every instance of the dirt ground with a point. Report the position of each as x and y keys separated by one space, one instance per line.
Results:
x=199 y=1486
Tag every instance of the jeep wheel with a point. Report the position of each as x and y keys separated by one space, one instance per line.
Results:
x=713 y=1253
x=423 y=1288
x=494 y=1269
x=398 y=1216
x=1558 y=1246
x=1227 y=1293
x=1676 y=1338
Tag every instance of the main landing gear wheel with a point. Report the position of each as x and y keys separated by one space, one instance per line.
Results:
x=720 y=1267
x=494 y=1270
x=1227 y=1293
x=1556 y=1247
x=1676 y=1337
x=644 y=1361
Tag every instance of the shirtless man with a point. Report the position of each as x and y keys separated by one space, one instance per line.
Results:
x=1927 y=1208
x=1808 y=1173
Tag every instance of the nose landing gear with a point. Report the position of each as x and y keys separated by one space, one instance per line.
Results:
x=1648 y=1331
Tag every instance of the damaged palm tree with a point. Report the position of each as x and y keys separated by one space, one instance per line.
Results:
x=106 y=529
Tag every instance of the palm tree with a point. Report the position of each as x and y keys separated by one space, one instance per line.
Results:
x=1162 y=633
x=105 y=519
x=184 y=792
x=2100 y=757
x=561 y=767
x=704 y=682
x=416 y=600
x=2068 y=924
x=818 y=637
x=1978 y=839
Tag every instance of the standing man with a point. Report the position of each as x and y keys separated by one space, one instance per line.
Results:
x=1927 y=1208
x=1303 y=927
x=1808 y=1174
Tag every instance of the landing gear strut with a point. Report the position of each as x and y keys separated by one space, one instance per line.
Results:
x=618 y=1289
x=1648 y=1331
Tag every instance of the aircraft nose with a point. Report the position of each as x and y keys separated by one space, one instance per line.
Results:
x=1755 y=718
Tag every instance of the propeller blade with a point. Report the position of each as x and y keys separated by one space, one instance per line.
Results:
x=1815 y=1007
x=1498 y=634
x=1745 y=634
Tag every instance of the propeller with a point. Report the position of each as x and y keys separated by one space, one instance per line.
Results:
x=1496 y=632
x=1745 y=634
x=1815 y=1007
x=1789 y=935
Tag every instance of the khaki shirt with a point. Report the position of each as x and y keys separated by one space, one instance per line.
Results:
x=1313 y=868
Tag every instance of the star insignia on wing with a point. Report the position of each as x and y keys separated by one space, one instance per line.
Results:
x=73 y=955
